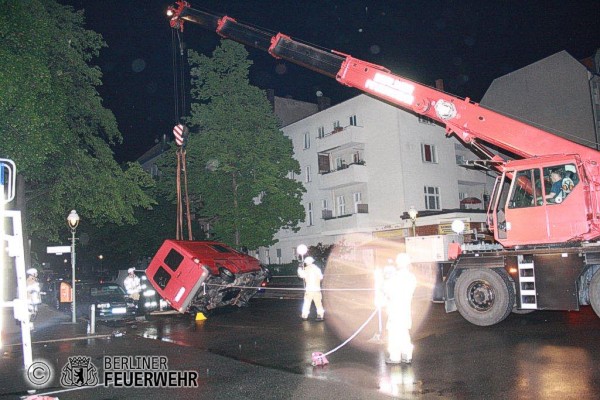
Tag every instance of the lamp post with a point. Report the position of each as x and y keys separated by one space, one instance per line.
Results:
x=101 y=258
x=73 y=221
x=302 y=250
x=412 y=213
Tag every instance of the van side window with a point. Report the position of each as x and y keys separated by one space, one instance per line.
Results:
x=220 y=249
x=173 y=260
x=162 y=278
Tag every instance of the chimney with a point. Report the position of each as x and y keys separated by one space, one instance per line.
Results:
x=323 y=103
x=271 y=96
x=439 y=84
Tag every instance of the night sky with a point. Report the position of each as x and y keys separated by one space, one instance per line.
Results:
x=465 y=43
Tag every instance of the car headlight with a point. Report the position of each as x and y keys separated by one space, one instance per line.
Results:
x=103 y=305
x=149 y=293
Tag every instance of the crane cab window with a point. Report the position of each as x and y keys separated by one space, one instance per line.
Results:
x=527 y=187
x=559 y=182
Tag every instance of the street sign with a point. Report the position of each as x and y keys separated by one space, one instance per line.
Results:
x=58 y=249
x=8 y=173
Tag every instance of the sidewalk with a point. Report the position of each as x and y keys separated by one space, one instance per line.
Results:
x=53 y=332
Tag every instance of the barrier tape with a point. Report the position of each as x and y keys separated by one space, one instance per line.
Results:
x=289 y=289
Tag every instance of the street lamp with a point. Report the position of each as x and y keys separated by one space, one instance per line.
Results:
x=412 y=213
x=73 y=221
x=101 y=258
x=302 y=250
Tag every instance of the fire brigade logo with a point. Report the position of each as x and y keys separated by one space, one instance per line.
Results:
x=79 y=371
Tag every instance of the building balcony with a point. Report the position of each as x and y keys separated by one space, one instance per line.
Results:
x=362 y=208
x=345 y=176
x=346 y=223
x=342 y=138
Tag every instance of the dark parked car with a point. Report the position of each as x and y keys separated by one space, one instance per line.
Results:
x=111 y=301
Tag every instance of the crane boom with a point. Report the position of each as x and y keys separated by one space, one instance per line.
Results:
x=478 y=127
x=469 y=121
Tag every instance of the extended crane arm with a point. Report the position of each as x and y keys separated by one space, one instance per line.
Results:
x=469 y=121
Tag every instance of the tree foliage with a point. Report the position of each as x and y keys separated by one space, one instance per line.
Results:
x=238 y=160
x=53 y=124
x=123 y=245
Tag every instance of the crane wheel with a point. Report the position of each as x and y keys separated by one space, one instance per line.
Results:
x=484 y=296
x=595 y=292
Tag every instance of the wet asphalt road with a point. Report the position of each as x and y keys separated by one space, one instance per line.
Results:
x=264 y=352
x=542 y=355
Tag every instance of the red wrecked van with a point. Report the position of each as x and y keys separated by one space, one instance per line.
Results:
x=200 y=276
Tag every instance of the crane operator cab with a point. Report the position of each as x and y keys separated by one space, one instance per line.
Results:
x=531 y=203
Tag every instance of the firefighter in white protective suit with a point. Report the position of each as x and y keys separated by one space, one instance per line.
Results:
x=132 y=284
x=399 y=285
x=33 y=289
x=312 y=276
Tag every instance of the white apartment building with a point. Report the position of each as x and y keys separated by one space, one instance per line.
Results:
x=364 y=163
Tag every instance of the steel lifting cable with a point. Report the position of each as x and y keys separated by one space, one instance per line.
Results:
x=187 y=198
x=179 y=96
x=179 y=232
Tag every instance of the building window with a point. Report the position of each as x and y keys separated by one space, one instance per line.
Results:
x=460 y=160
x=357 y=197
x=341 y=206
x=432 y=198
x=292 y=175
x=353 y=120
x=336 y=124
x=278 y=256
x=428 y=153
x=339 y=163
x=356 y=159
x=307 y=171
x=325 y=204
x=306 y=140
x=267 y=257
x=309 y=214
x=321 y=132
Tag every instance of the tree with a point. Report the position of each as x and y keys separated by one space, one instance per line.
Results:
x=320 y=252
x=124 y=246
x=53 y=124
x=239 y=162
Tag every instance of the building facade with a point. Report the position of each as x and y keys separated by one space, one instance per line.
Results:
x=364 y=163
x=558 y=94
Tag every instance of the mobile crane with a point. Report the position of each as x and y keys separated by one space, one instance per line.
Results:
x=550 y=256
